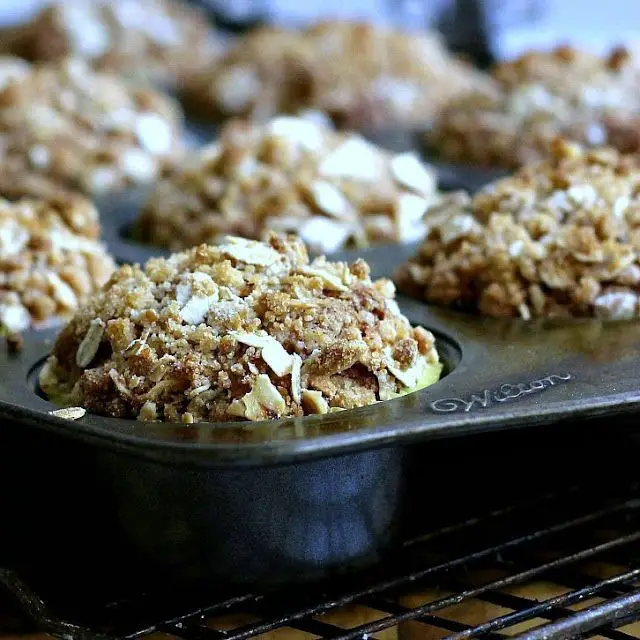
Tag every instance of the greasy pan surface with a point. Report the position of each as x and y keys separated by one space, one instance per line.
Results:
x=502 y=374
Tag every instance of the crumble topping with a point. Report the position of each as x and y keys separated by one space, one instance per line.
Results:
x=79 y=129
x=360 y=74
x=216 y=334
x=156 y=42
x=592 y=100
x=50 y=260
x=291 y=174
x=559 y=238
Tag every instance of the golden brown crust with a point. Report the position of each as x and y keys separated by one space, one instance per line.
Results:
x=244 y=330
x=362 y=75
x=84 y=130
x=295 y=175
x=50 y=260
x=592 y=100
x=559 y=238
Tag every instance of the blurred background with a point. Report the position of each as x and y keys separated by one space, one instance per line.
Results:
x=506 y=27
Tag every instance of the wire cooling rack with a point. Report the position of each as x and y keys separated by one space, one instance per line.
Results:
x=560 y=565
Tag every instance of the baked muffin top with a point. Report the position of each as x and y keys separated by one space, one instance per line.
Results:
x=244 y=330
x=50 y=260
x=558 y=238
x=593 y=100
x=85 y=130
x=290 y=174
x=157 y=42
x=361 y=75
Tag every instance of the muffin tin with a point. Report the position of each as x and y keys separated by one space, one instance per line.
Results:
x=282 y=500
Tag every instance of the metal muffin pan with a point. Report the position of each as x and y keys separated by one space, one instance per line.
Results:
x=285 y=500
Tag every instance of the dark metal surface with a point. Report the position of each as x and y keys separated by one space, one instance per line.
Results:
x=149 y=520
x=541 y=556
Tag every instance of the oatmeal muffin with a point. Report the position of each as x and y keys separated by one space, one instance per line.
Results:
x=245 y=330
x=157 y=42
x=559 y=238
x=362 y=75
x=290 y=174
x=84 y=130
x=50 y=260
x=592 y=100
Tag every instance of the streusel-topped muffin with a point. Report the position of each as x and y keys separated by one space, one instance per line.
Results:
x=156 y=42
x=361 y=75
x=241 y=331
x=86 y=130
x=50 y=260
x=290 y=174
x=559 y=238
x=574 y=94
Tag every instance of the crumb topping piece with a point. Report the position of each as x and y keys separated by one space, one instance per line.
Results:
x=50 y=260
x=266 y=337
x=559 y=238
x=291 y=174
x=360 y=74
x=592 y=100
x=84 y=130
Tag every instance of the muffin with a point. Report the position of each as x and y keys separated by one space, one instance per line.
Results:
x=292 y=175
x=559 y=238
x=84 y=130
x=362 y=76
x=241 y=331
x=591 y=100
x=157 y=42
x=50 y=260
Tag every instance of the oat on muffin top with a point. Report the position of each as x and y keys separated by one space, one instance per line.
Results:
x=559 y=238
x=290 y=174
x=85 y=130
x=362 y=75
x=583 y=97
x=241 y=331
x=50 y=260
x=148 y=41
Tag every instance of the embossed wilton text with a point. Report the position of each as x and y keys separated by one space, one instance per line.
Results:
x=503 y=393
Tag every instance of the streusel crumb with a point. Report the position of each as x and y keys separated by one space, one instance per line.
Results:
x=592 y=100
x=559 y=238
x=85 y=130
x=50 y=260
x=362 y=75
x=293 y=175
x=241 y=331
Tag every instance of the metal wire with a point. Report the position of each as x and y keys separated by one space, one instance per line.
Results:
x=574 y=530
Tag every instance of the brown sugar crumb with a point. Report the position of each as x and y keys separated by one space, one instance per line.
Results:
x=245 y=330
x=559 y=238
x=292 y=174
x=50 y=260
x=361 y=75
x=77 y=129
x=157 y=42
x=592 y=100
